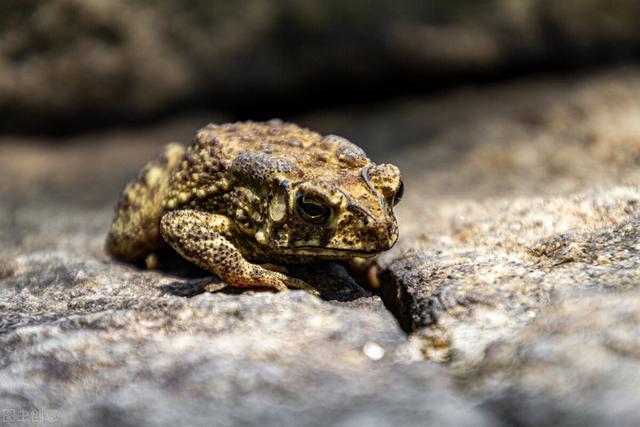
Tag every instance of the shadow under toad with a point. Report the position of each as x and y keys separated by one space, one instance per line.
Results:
x=330 y=279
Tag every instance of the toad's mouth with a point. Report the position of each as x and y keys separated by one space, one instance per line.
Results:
x=325 y=251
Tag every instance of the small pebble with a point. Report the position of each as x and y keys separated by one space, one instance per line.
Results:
x=373 y=351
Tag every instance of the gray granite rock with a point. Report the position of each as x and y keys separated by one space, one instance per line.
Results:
x=493 y=272
x=576 y=363
x=89 y=342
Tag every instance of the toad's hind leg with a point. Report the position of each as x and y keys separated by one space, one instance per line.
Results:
x=202 y=238
x=135 y=231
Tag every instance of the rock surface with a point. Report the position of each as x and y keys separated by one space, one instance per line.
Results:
x=108 y=61
x=102 y=344
x=516 y=275
x=520 y=264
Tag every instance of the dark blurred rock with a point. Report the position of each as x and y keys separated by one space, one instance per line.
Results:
x=69 y=64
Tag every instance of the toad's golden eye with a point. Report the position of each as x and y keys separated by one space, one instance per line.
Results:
x=399 y=194
x=311 y=210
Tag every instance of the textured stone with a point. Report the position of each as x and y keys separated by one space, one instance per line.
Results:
x=493 y=272
x=578 y=360
x=91 y=342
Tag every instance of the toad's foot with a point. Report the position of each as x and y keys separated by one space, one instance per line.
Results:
x=293 y=282
x=201 y=238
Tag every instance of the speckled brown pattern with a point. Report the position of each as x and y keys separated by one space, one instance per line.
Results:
x=135 y=231
x=259 y=192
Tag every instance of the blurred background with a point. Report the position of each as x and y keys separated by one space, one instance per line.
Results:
x=68 y=66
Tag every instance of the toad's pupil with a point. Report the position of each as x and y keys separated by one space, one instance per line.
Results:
x=312 y=209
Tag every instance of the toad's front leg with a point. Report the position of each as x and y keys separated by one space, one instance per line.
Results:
x=202 y=238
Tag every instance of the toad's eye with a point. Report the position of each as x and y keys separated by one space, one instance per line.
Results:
x=399 y=194
x=312 y=210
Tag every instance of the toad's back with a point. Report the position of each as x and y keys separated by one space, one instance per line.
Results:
x=258 y=153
